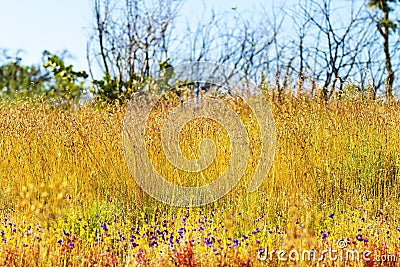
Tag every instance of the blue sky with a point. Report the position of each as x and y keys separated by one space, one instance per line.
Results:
x=57 y=25
x=44 y=24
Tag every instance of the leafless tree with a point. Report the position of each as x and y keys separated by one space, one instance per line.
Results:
x=385 y=27
x=312 y=44
x=328 y=45
x=132 y=37
x=234 y=39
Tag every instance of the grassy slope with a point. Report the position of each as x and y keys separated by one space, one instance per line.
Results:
x=66 y=183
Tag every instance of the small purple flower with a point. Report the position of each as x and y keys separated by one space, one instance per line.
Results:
x=132 y=238
x=208 y=241
x=65 y=232
x=104 y=226
x=181 y=232
x=331 y=215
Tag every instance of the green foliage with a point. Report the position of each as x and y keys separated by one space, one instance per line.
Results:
x=383 y=22
x=111 y=89
x=166 y=72
x=385 y=7
x=18 y=81
x=67 y=84
x=56 y=81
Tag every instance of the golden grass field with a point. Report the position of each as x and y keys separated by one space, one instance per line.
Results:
x=68 y=199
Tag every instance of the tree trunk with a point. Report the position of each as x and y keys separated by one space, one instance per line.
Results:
x=390 y=74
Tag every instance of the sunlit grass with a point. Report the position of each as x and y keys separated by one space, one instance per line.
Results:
x=68 y=198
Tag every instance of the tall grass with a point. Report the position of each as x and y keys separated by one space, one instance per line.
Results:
x=335 y=170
